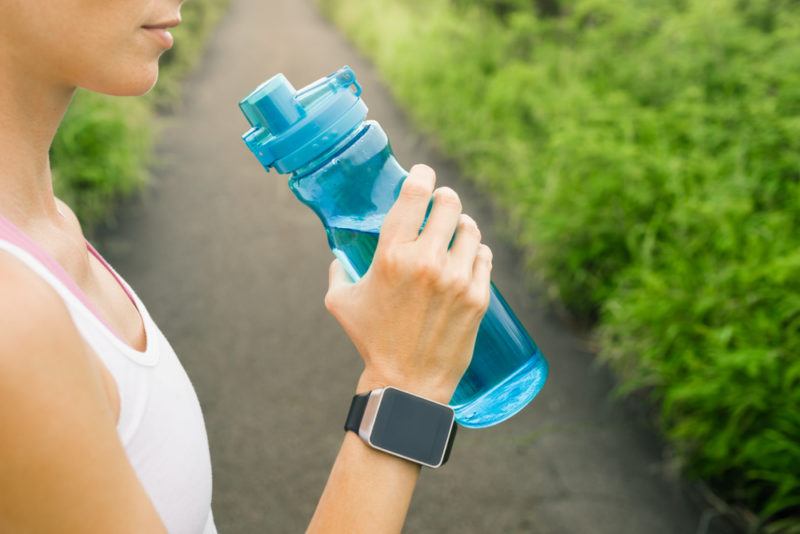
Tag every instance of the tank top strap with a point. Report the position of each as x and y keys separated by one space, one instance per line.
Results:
x=27 y=250
x=11 y=233
x=113 y=272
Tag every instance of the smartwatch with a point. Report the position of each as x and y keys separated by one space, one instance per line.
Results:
x=403 y=424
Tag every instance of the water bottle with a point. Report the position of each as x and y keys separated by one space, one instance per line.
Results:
x=343 y=168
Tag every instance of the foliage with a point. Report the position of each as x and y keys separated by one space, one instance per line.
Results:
x=100 y=153
x=103 y=147
x=647 y=153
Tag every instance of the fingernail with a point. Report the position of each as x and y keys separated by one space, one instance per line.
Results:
x=423 y=171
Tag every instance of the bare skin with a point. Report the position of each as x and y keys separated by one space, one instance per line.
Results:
x=413 y=316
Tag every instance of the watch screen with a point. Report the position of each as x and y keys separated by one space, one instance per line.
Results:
x=412 y=427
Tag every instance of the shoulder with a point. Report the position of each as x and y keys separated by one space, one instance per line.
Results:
x=43 y=358
x=40 y=346
x=38 y=331
x=31 y=311
x=58 y=430
x=26 y=296
x=23 y=289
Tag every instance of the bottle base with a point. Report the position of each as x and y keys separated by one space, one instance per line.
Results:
x=506 y=398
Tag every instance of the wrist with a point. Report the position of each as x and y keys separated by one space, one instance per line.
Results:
x=432 y=390
x=410 y=426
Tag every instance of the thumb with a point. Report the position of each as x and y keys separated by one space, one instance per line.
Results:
x=337 y=276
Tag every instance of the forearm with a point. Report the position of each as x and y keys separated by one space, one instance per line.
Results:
x=367 y=491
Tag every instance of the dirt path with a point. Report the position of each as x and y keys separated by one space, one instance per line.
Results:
x=234 y=270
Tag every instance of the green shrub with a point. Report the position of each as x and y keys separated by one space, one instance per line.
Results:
x=101 y=153
x=648 y=156
x=103 y=146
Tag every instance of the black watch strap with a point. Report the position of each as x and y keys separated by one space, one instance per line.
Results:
x=356 y=413
x=450 y=443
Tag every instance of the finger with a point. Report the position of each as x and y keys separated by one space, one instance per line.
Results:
x=481 y=273
x=404 y=219
x=465 y=245
x=443 y=219
x=337 y=275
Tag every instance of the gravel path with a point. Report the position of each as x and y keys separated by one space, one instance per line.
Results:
x=234 y=270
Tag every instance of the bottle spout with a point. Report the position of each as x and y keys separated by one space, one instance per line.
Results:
x=273 y=106
x=291 y=127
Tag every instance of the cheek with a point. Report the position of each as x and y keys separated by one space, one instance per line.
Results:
x=115 y=56
x=96 y=44
x=122 y=63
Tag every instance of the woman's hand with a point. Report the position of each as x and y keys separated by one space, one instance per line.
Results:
x=415 y=313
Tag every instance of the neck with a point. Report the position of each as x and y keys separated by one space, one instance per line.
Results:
x=31 y=108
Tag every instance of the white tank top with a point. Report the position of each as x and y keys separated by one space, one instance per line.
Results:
x=160 y=422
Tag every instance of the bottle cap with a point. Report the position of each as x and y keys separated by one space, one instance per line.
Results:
x=290 y=128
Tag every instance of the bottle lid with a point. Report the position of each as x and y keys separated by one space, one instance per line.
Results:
x=291 y=128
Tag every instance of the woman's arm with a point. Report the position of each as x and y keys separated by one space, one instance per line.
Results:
x=62 y=466
x=414 y=318
x=367 y=491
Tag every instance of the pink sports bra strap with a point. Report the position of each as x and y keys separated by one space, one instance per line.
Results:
x=108 y=267
x=11 y=233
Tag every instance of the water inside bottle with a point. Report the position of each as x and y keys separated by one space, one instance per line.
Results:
x=507 y=369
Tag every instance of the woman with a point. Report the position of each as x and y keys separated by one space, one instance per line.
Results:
x=100 y=429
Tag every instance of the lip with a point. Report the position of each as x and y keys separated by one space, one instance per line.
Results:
x=164 y=38
x=162 y=25
x=160 y=31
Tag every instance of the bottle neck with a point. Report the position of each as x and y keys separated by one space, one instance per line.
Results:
x=330 y=153
x=353 y=185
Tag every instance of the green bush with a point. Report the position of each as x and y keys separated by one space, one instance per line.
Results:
x=101 y=153
x=647 y=154
x=103 y=147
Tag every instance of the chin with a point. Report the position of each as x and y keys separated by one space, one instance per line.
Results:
x=131 y=82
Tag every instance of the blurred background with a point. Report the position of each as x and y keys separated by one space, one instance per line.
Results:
x=638 y=161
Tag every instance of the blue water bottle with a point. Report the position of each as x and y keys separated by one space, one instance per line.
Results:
x=343 y=168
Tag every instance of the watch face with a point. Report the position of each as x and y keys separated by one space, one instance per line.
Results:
x=412 y=427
